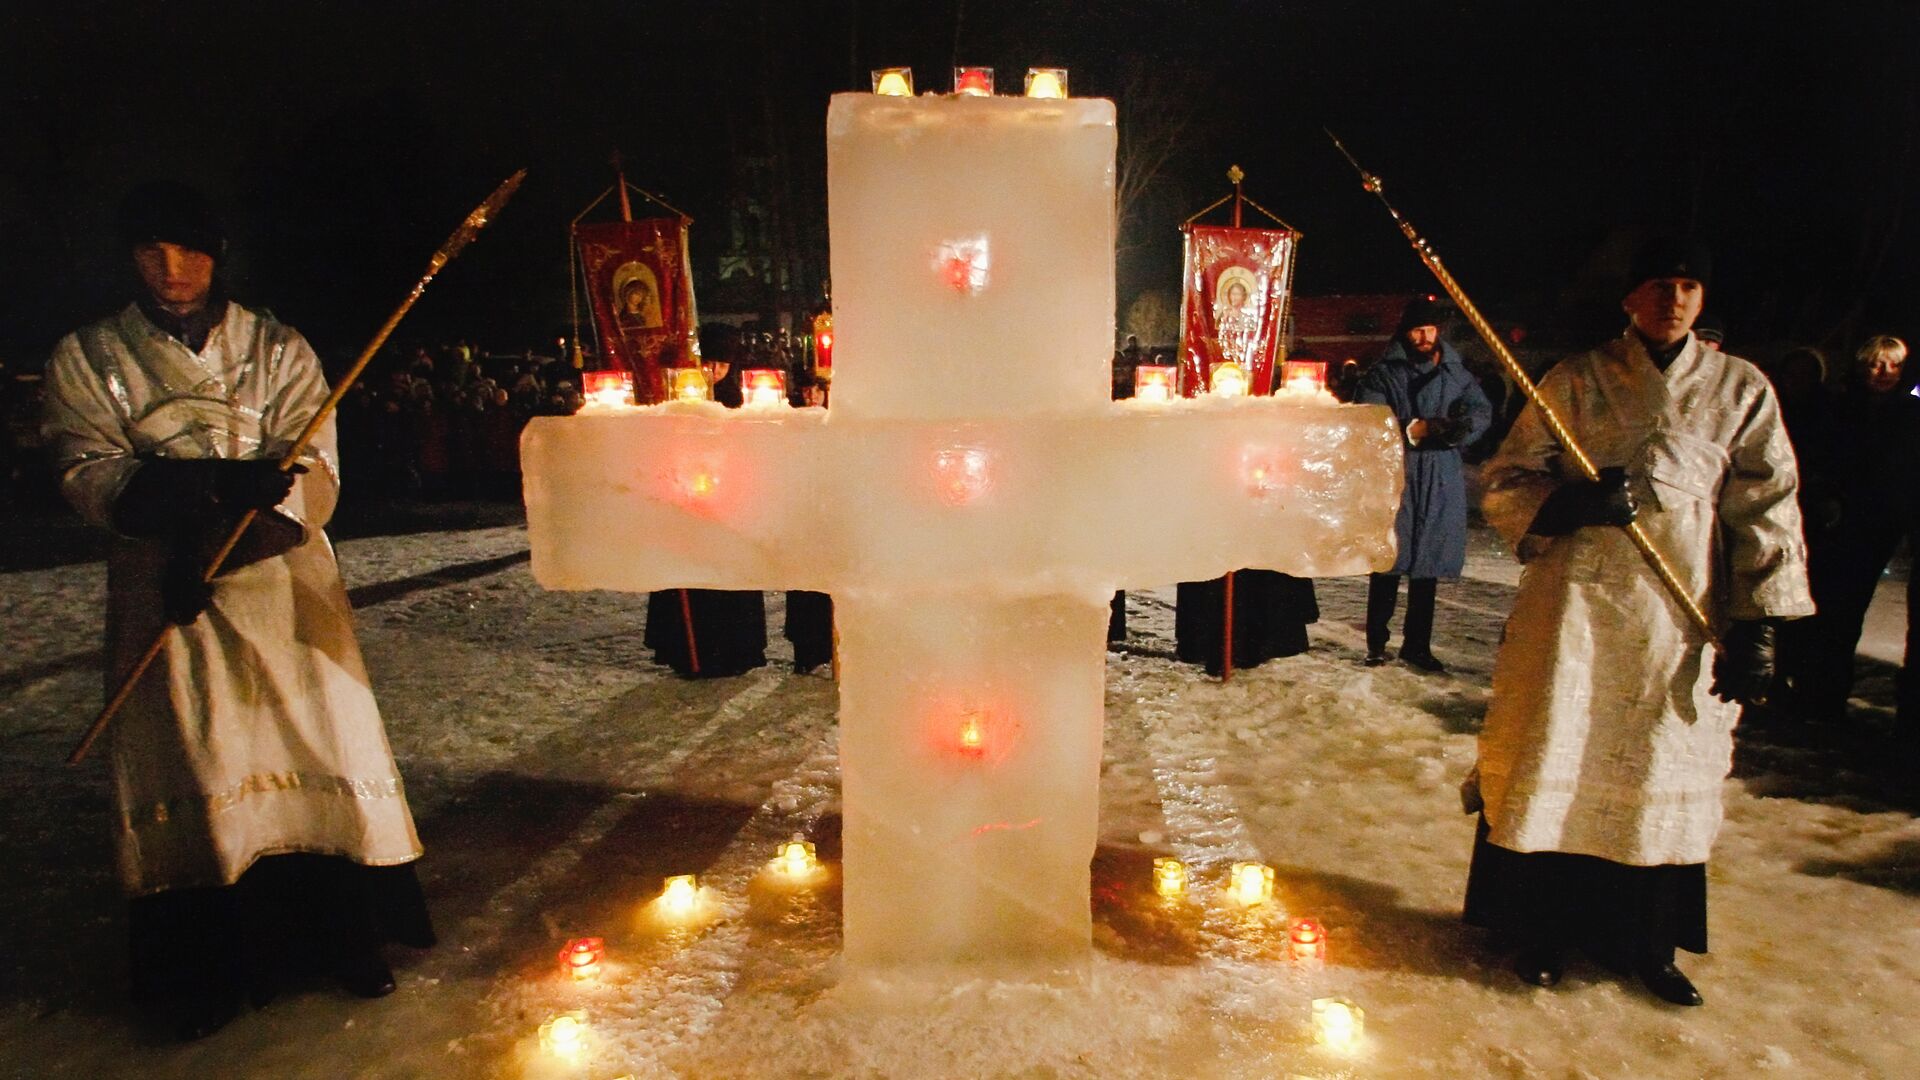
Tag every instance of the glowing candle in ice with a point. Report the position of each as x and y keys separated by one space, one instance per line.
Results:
x=680 y=896
x=823 y=346
x=973 y=737
x=1251 y=883
x=973 y=81
x=1169 y=878
x=1153 y=382
x=796 y=859
x=565 y=1036
x=581 y=957
x=893 y=82
x=1047 y=82
x=1304 y=376
x=1227 y=379
x=1306 y=940
x=1338 y=1024
x=609 y=389
x=688 y=384
x=765 y=388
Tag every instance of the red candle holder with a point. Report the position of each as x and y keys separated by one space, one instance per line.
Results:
x=764 y=388
x=1153 y=382
x=581 y=958
x=1308 y=376
x=973 y=81
x=1306 y=940
x=611 y=388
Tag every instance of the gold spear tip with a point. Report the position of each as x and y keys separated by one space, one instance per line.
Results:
x=1234 y=174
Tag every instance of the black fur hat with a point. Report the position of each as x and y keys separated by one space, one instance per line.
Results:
x=1670 y=257
x=167 y=211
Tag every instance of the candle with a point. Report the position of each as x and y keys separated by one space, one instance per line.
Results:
x=608 y=389
x=1338 y=1023
x=893 y=82
x=1169 y=878
x=972 y=735
x=796 y=859
x=823 y=346
x=1251 y=883
x=973 y=81
x=1306 y=940
x=1153 y=382
x=765 y=388
x=688 y=384
x=1304 y=376
x=1047 y=82
x=565 y=1036
x=581 y=957
x=962 y=474
x=680 y=895
x=1227 y=379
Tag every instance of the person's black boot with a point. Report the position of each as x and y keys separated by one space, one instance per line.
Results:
x=1669 y=983
x=365 y=973
x=1541 y=965
x=199 y=1014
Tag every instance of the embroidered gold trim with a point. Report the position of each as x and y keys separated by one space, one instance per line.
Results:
x=161 y=812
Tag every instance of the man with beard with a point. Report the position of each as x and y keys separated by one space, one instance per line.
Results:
x=1439 y=408
x=1610 y=728
x=260 y=820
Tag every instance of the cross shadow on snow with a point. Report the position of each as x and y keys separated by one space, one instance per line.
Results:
x=1895 y=867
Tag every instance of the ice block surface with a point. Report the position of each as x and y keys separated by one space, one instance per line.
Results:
x=971 y=502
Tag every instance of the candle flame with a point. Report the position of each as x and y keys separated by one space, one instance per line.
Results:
x=1252 y=883
x=1169 y=877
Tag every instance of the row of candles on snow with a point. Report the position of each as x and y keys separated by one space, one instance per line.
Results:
x=766 y=388
x=1337 y=1022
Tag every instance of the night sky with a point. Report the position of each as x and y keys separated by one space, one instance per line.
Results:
x=1531 y=141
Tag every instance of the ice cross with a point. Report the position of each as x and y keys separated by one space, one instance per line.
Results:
x=972 y=501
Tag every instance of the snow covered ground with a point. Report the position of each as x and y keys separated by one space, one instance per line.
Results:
x=558 y=777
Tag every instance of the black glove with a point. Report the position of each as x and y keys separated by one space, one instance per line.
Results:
x=1743 y=668
x=183 y=595
x=1605 y=501
x=167 y=495
x=1442 y=432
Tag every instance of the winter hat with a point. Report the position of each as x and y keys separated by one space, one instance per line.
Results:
x=1670 y=257
x=1425 y=310
x=167 y=211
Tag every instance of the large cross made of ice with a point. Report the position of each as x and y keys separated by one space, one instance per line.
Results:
x=971 y=502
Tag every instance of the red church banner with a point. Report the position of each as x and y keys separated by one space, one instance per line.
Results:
x=1233 y=304
x=641 y=288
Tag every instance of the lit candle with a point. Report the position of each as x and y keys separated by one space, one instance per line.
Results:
x=1227 y=379
x=765 y=388
x=1307 y=940
x=1304 y=376
x=1338 y=1023
x=680 y=895
x=608 y=389
x=581 y=957
x=565 y=1036
x=893 y=82
x=1153 y=382
x=1047 y=82
x=972 y=735
x=1251 y=883
x=688 y=384
x=796 y=859
x=962 y=474
x=973 y=81
x=1169 y=878
x=823 y=346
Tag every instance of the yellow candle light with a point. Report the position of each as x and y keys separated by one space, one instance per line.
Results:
x=1046 y=82
x=1338 y=1024
x=796 y=859
x=1169 y=878
x=565 y=1036
x=680 y=895
x=765 y=388
x=1251 y=883
x=1153 y=382
x=972 y=736
x=893 y=82
x=688 y=384
x=1227 y=379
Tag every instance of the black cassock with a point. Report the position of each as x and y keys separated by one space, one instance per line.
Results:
x=1271 y=611
x=729 y=631
x=809 y=626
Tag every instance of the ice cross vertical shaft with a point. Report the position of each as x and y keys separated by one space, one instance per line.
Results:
x=971 y=502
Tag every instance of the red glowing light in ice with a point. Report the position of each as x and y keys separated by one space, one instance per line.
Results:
x=1004 y=826
x=962 y=474
x=1307 y=940
x=581 y=957
x=973 y=81
x=1264 y=471
x=962 y=265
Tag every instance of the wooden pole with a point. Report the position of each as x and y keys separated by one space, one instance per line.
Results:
x=1226 y=630
x=469 y=227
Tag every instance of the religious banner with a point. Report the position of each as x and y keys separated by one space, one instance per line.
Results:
x=1233 y=304
x=641 y=287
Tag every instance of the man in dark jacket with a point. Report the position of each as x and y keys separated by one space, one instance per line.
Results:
x=1440 y=408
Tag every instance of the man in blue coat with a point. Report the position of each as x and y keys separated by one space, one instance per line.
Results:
x=1440 y=408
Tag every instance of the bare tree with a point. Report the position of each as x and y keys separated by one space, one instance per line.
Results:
x=1155 y=110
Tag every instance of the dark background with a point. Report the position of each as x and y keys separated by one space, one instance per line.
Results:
x=1533 y=143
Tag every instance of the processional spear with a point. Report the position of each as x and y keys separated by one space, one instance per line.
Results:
x=469 y=227
x=1564 y=435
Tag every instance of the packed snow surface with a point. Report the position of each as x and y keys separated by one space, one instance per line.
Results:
x=559 y=777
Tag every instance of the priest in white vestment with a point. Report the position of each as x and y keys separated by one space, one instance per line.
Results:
x=259 y=817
